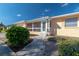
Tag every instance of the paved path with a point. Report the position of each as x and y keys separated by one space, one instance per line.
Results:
x=2 y=37
x=38 y=47
x=5 y=50
x=51 y=48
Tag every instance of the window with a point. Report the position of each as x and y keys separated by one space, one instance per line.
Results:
x=71 y=22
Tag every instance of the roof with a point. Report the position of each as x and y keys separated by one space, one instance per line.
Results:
x=34 y=20
x=38 y=19
x=20 y=21
x=65 y=15
x=47 y=17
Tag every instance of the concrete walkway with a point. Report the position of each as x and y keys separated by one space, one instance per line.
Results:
x=5 y=50
x=2 y=38
x=37 y=47
x=51 y=48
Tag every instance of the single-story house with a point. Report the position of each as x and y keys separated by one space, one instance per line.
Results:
x=61 y=25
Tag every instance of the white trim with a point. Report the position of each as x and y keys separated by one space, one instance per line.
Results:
x=38 y=19
x=32 y=27
x=46 y=26
x=41 y=26
x=20 y=22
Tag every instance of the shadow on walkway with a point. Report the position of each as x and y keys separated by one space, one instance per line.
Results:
x=51 y=48
x=39 y=48
x=5 y=50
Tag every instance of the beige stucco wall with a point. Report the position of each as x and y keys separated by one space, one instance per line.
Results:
x=61 y=30
x=35 y=32
x=23 y=24
x=67 y=31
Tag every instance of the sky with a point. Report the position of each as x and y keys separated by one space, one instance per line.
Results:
x=14 y=12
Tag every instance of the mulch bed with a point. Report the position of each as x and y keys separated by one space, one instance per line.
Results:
x=33 y=35
x=20 y=47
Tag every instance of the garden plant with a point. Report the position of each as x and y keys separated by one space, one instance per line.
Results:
x=18 y=37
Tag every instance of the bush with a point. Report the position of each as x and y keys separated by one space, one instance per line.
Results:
x=68 y=47
x=17 y=36
x=1 y=29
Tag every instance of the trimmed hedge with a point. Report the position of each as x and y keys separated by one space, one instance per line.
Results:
x=17 y=36
x=68 y=47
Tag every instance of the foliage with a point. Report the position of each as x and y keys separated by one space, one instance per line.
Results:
x=1 y=29
x=17 y=35
x=68 y=47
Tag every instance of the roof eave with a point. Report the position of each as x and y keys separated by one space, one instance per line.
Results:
x=65 y=15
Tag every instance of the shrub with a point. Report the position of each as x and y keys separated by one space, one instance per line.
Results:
x=68 y=47
x=1 y=29
x=17 y=36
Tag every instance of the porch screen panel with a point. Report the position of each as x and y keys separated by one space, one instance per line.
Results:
x=37 y=26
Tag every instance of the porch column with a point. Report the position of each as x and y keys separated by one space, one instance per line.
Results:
x=46 y=26
x=32 y=26
x=41 y=26
x=49 y=25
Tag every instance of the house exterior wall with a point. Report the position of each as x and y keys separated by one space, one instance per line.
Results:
x=29 y=26
x=53 y=28
x=23 y=24
x=58 y=27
